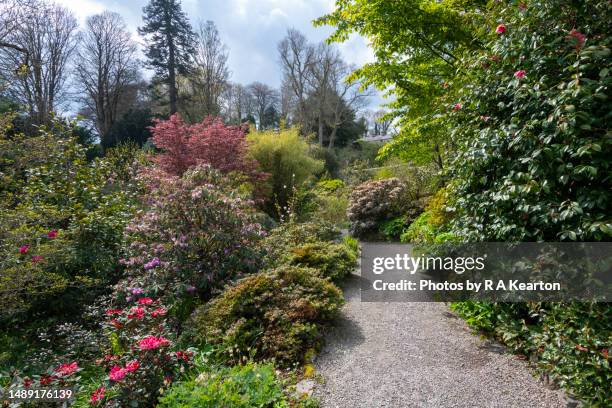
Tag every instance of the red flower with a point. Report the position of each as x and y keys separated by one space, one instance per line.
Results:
x=27 y=382
x=136 y=312
x=98 y=395
x=581 y=347
x=500 y=29
x=520 y=74
x=605 y=353
x=158 y=312
x=183 y=355
x=145 y=301
x=116 y=373
x=457 y=107
x=67 y=369
x=132 y=366
x=52 y=234
x=152 y=342
x=24 y=249
x=37 y=258
x=578 y=37
x=113 y=312
x=47 y=379
x=118 y=325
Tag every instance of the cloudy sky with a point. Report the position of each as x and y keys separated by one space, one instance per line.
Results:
x=250 y=28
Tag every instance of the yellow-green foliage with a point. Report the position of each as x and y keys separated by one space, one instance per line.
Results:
x=286 y=157
x=438 y=214
x=276 y=314
x=333 y=261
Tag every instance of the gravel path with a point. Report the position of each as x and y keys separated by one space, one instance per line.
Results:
x=419 y=355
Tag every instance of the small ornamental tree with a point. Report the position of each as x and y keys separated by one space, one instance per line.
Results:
x=210 y=142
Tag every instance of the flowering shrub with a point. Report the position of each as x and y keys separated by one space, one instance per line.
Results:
x=196 y=234
x=271 y=315
x=210 y=142
x=61 y=221
x=372 y=202
x=141 y=358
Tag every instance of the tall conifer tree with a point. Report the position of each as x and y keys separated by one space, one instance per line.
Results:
x=170 y=43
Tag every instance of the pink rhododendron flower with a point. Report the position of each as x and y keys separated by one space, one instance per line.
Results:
x=152 y=343
x=578 y=37
x=47 y=379
x=116 y=373
x=113 y=312
x=152 y=264
x=520 y=74
x=52 y=234
x=158 y=312
x=457 y=107
x=67 y=369
x=37 y=258
x=24 y=249
x=500 y=29
x=132 y=366
x=136 y=312
x=145 y=301
x=98 y=395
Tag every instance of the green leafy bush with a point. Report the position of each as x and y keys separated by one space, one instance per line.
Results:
x=61 y=221
x=242 y=386
x=291 y=234
x=270 y=315
x=333 y=261
x=351 y=243
x=287 y=159
x=569 y=342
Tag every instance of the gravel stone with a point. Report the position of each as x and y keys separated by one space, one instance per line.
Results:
x=419 y=355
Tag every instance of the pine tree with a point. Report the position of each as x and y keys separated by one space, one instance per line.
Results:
x=170 y=43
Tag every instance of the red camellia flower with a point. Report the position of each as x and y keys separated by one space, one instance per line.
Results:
x=52 y=234
x=158 y=312
x=136 y=312
x=457 y=107
x=98 y=395
x=24 y=249
x=113 y=312
x=116 y=373
x=520 y=73
x=37 y=258
x=152 y=343
x=145 y=301
x=578 y=37
x=67 y=369
x=47 y=379
x=132 y=366
x=500 y=29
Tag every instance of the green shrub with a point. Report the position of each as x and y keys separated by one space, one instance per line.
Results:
x=333 y=261
x=247 y=386
x=286 y=157
x=329 y=185
x=352 y=243
x=276 y=314
x=61 y=220
x=420 y=231
x=291 y=234
x=569 y=342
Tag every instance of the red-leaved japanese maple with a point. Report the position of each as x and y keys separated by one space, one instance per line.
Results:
x=210 y=142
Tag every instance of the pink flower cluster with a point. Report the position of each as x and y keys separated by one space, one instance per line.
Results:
x=67 y=369
x=153 y=342
x=118 y=373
